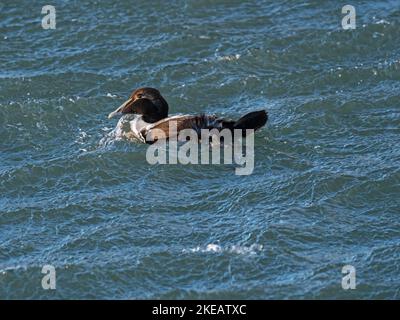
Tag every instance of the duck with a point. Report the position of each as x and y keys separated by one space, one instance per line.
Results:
x=146 y=112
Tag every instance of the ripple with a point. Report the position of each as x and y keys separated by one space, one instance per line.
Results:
x=324 y=192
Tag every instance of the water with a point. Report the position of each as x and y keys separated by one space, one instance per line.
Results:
x=324 y=192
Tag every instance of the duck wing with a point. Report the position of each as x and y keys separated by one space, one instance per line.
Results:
x=173 y=125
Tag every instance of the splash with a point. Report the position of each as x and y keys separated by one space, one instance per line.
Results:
x=235 y=249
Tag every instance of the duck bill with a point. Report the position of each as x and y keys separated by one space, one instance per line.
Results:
x=123 y=108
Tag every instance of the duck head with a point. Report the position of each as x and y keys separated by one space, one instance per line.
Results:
x=147 y=102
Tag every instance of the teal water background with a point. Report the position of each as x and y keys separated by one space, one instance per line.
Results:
x=325 y=191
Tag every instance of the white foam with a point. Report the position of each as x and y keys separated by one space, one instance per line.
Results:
x=382 y=21
x=230 y=57
x=213 y=248
x=236 y=249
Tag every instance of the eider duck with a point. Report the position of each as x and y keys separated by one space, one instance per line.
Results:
x=149 y=112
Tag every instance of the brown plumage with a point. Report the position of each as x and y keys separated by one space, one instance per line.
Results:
x=151 y=111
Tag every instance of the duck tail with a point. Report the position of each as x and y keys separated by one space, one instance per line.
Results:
x=253 y=120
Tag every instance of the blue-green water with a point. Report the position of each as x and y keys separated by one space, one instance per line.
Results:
x=324 y=192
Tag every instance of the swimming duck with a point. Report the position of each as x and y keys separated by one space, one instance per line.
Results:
x=149 y=111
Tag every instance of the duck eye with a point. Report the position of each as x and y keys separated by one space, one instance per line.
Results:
x=139 y=96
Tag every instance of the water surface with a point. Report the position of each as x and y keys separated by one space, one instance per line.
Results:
x=324 y=192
